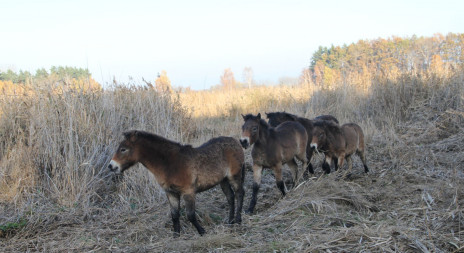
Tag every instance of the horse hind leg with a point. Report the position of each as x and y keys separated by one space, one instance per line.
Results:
x=294 y=170
x=349 y=162
x=237 y=185
x=174 y=202
x=362 y=155
x=225 y=186
x=190 y=208
x=257 y=171
x=309 y=168
x=278 y=176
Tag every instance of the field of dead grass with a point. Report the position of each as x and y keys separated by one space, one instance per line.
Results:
x=56 y=194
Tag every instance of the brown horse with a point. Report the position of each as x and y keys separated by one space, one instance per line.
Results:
x=183 y=171
x=338 y=142
x=272 y=148
x=277 y=118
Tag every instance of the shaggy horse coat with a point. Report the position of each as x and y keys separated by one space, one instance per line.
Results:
x=277 y=118
x=183 y=171
x=272 y=148
x=338 y=143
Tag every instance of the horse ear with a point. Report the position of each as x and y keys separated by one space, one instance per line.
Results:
x=131 y=135
x=259 y=115
x=243 y=116
x=127 y=134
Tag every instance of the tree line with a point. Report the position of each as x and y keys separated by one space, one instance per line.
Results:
x=23 y=77
x=384 y=57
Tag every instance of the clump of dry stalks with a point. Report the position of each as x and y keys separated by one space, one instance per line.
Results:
x=56 y=194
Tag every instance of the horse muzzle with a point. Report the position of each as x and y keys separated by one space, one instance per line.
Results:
x=313 y=145
x=115 y=167
x=244 y=142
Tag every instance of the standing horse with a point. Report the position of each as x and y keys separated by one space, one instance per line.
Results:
x=276 y=118
x=339 y=143
x=183 y=171
x=272 y=148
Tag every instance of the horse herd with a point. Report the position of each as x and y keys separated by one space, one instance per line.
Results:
x=183 y=171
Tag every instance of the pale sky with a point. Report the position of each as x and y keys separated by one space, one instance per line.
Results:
x=194 y=41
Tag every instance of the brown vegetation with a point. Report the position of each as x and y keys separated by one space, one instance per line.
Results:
x=57 y=195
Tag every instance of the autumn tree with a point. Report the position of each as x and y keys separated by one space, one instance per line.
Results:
x=228 y=80
x=163 y=84
x=306 y=77
x=248 y=76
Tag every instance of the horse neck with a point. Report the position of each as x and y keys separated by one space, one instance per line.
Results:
x=263 y=134
x=155 y=153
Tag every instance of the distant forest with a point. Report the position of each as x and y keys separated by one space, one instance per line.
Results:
x=385 y=57
x=62 y=72
x=70 y=77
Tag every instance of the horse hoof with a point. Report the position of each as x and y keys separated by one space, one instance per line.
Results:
x=248 y=211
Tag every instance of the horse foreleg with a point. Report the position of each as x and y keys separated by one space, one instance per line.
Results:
x=257 y=170
x=335 y=161
x=326 y=164
x=278 y=176
x=190 y=208
x=225 y=185
x=174 y=202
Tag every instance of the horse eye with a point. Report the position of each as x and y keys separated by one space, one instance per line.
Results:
x=123 y=150
x=254 y=129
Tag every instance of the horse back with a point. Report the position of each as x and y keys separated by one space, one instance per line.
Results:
x=289 y=130
x=327 y=118
x=290 y=136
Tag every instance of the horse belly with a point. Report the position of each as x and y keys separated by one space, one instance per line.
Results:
x=210 y=177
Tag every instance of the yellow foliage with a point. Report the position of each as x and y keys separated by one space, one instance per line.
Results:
x=163 y=84
x=233 y=102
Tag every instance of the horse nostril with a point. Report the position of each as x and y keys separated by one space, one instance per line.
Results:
x=110 y=166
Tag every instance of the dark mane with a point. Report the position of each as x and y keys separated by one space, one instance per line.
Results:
x=154 y=138
x=263 y=124
x=287 y=115
x=248 y=116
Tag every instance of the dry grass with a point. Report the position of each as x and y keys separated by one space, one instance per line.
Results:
x=57 y=196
